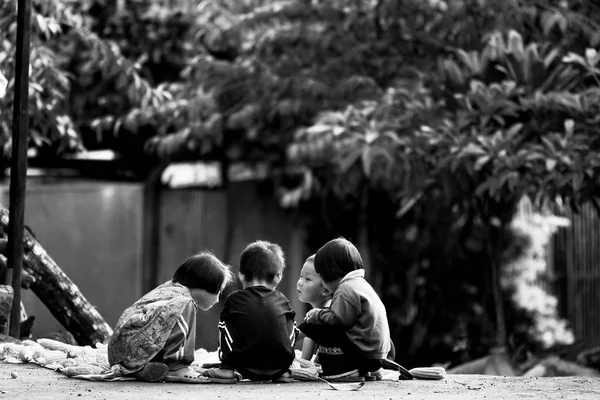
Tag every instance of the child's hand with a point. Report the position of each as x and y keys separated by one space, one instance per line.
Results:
x=311 y=314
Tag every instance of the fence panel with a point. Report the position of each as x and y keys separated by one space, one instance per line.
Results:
x=576 y=250
x=225 y=222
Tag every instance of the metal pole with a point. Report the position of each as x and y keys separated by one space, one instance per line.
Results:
x=18 y=170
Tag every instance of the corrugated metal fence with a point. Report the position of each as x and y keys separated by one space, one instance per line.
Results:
x=574 y=264
x=576 y=251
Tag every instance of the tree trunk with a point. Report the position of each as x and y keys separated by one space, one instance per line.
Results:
x=58 y=293
x=493 y=248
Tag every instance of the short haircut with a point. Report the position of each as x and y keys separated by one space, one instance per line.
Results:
x=336 y=258
x=203 y=271
x=262 y=260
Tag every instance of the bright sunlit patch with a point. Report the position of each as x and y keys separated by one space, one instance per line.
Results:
x=3 y=85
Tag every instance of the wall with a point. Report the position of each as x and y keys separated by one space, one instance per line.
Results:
x=94 y=230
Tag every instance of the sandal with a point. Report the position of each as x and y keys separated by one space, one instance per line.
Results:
x=390 y=364
x=220 y=375
x=185 y=375
x=351 y=376
x=152 y=372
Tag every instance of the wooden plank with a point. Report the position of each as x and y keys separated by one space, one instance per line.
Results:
x=150 y=230
x=18 y=168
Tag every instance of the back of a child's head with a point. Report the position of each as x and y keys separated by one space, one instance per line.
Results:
x=203 y=271
x=262 y=260
x=336 y=258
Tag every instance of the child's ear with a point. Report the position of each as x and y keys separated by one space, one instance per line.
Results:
x=241 y=276
x=326 y=293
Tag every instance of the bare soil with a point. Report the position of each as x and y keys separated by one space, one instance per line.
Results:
x=29 y=381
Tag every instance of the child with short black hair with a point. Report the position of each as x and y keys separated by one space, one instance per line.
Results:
x=154 y=339
x=257 y=330
x=356 y=321
x=311 y=290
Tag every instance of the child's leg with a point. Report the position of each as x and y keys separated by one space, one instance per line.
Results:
x=178 y=351
x=337 y=361
x=226 y=372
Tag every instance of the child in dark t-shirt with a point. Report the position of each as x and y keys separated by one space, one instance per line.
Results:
x=257 y=331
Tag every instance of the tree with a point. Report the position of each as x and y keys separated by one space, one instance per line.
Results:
x=60 y=38
x=511 y=119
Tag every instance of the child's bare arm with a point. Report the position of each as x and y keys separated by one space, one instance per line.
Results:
x=308 y=348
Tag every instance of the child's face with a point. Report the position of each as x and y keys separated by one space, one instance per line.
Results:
x=204 y=299
x=310 y=285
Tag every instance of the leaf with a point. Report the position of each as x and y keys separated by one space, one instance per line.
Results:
x=367 y=160
x=3 y=85
x=318 y=129
x=349 y=159
x=453 y=72
x=470 y=60
x=591 y=56
x=481 y=161
x=550 y=164
x=569 y=127
x=515 y=44
x=574 y=58
x=471 y=149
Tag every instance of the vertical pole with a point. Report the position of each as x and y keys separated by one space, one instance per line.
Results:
x=20 y=128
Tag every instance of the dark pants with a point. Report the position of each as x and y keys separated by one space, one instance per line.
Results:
x=257 y=374
x=337 y=354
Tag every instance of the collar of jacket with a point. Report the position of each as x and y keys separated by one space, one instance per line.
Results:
x=358 y=273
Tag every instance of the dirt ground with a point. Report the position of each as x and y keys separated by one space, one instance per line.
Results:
x=34 y=382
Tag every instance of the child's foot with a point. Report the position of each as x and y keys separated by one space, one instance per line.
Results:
x=374 y=375
x=286 y=377
x=222 y=375
x=185 y=375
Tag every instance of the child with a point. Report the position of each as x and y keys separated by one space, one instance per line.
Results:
x=356 y=322
x=155 y=337
x=311 y=290
x=257 y=331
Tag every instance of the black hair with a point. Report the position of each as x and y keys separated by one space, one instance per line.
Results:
x=203 y=271
x=262 y=260
x=336 y=258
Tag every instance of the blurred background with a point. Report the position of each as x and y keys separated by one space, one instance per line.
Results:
x=454 y=142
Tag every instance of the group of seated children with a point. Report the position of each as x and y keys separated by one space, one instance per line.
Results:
x=346 y=330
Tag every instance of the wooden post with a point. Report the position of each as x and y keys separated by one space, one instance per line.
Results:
x=18 y=170
x=151 y=223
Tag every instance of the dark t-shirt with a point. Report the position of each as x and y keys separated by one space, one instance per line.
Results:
x=257 y=329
